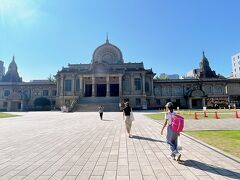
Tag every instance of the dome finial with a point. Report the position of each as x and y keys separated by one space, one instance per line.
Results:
x=107 y=41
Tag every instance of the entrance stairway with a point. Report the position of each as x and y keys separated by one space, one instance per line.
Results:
x=90 y=104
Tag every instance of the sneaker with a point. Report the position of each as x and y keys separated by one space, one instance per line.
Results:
x=172 y=156
x=178 y=157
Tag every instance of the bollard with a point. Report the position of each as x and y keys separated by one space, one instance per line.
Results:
x=236 y=114
x=195 y=115
x=216 y=115
x=205 y=114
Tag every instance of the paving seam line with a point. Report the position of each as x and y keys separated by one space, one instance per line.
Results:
x=236 y=159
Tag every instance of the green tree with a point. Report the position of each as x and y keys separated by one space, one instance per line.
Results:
x=161 y=76
x=52 y=78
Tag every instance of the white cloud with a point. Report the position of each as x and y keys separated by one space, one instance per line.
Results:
x=19 y=12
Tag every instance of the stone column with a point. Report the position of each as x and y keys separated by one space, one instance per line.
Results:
x=81 y=86
x=120 y=84
x=74 y=86
x=204 y=102
x=62 y=86
x=143 y=84
x=152 y=93
x=108 y=86
x=9 y=105
x=57 y=80
x=22 y=105
x=190 y=103
x=93 y=86
x=132 y=84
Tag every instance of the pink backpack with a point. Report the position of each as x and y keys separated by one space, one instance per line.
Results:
x=177 y=123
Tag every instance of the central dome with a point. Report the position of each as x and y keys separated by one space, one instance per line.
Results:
x=107 y=53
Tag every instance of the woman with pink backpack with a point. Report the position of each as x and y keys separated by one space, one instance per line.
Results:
x=174 y=125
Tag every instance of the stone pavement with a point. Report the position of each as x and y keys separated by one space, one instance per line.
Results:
x=55 y=145
x=212 y=124
x=208 y=124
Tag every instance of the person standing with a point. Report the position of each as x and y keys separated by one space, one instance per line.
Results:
x=172 y=137
x=100 y=110
x=128 y=121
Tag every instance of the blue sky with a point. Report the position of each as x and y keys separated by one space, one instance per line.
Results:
x=167 y=35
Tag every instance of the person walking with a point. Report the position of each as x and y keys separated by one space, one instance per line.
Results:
x=172 y=137
x=128 y=121
x=100 y=110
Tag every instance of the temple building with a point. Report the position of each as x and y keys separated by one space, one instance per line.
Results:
x=16 y=95
x=109 y=80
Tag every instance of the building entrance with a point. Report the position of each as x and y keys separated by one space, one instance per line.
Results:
x=114 y=89
x=101 y=90
x=197 y=103
x=88 y=90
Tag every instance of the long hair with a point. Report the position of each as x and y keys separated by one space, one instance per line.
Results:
x=169 y=106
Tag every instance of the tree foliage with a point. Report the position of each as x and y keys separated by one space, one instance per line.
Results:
x=51 y=78
x=161 y=77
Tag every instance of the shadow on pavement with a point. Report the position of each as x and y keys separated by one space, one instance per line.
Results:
x=146 y=138
x=211 y=168
x=107 y=120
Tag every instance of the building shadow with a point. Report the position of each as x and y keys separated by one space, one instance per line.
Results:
x=211 y=168
x=146 y=139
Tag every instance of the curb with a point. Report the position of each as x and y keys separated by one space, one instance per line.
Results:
x=236 y=159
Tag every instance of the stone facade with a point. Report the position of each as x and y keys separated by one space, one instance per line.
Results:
x=23 y=96
x=193 y=93
x=16 y=95
x=107 y=78
x=236 y=65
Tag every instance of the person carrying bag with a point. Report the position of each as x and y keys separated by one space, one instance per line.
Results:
x=128 y=120
x=174 y=125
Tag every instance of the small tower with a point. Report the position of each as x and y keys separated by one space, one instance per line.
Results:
x=12 y=73
x=204 y=68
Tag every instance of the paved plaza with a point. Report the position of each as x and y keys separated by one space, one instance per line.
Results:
x=55 y=145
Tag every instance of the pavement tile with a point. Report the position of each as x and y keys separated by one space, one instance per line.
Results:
x=79 y=146
x=75 y=170
x=69 y=177
x=122 y=171
x=109 y=174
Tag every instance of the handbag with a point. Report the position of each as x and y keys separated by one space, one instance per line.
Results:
x=131 y=116
x=179 y=146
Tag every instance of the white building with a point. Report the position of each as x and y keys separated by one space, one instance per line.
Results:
x=236 y=65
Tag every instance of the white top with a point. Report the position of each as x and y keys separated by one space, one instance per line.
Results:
x=100 y=109
x=168 y=117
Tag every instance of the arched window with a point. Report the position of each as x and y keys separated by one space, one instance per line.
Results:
x=6 y=93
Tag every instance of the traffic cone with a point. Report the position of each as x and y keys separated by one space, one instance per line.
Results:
x=216 y=115
x=195 y=115
x=205 y=114
x=236 y=114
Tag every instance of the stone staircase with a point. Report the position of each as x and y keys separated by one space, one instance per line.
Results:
x=91 y=104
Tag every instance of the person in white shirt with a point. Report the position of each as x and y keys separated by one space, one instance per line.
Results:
x=100 y=110
x=172 y=137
